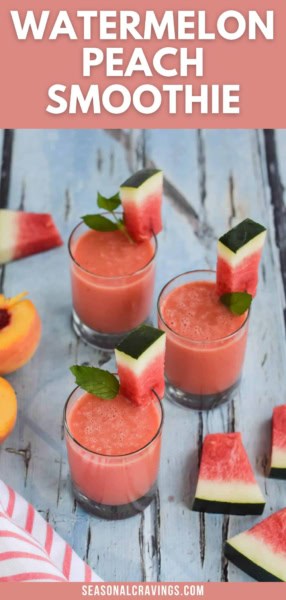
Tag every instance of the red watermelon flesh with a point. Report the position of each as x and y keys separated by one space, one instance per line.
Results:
x=226 y=482
x=138 y=387
x=278 y=454
x=261 y=551
x=141 y=197
x=239 y=254
x=243 y=278
x=23 y=234
x=140 y=363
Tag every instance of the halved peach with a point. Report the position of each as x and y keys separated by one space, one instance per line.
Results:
x=8 y=409
x=20 y=332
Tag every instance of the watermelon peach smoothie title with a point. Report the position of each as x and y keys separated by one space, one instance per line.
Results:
x=161 y=74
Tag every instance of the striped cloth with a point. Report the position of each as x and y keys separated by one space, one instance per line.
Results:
x=30 y=550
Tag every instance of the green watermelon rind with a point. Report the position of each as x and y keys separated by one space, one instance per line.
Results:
x=139 y=341
x=137 y=180
x=242 y=234
x=227 y=508
x=277 y=473
x=247 y=565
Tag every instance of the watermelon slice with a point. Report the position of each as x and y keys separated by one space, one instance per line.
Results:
x=226 y=481
x=278 y=455
x=140 y=361
x=261 y=551
x=141 y=197
x=23 y=233
x=239 y=253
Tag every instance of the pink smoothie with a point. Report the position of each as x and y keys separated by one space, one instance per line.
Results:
x=115 y=467
x=204 y=355
x=112 y=280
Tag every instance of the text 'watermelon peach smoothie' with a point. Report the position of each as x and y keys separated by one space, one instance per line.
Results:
x=205 y=316
x=113 y=261
x=113 y=428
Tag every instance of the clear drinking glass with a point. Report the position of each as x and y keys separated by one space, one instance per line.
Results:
x=201 y=374
x=105 y=309
x=113 y=486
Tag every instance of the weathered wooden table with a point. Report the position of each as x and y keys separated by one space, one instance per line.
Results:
x=213 y=180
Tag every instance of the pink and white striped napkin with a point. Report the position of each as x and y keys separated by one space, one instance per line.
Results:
x=30 y=550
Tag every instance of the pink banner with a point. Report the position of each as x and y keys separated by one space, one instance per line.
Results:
x=183 y=65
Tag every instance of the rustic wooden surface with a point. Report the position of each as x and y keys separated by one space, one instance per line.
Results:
x=213 y=180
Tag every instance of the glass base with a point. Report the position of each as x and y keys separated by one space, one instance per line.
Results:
x=199 y=401
x=114 y=513
x=97 y=339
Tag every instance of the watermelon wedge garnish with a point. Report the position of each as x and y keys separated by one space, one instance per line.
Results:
x=261 y=551
x=226 y=481
x=141 y=197
x=278 y=454
x=140 y=361
x=23 y=233
x=239 y=253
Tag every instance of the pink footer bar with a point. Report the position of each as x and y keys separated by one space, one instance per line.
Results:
x=76 y=591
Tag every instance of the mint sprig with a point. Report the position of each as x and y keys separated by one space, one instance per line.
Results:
x=98 y=382
x=237 y=302
x=109 y=204
x=99 y=222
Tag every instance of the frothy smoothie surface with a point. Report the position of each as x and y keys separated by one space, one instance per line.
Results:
x=112 y=427
x=110 y=253
x=195 y=311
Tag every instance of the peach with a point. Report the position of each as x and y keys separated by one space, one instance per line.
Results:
x=8 y=409
x=20 y=332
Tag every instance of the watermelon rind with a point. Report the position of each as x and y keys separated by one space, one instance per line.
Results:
x=24 y=233
x=249 y=566
x=140 y=186
x=277 y=473
x=278 y=452
x=140 y=364
x=262 y=549
x=139 y=341
x=241 y=235
x=241 y=242
x=140 y=178
x=226 y=483
x=227 y=508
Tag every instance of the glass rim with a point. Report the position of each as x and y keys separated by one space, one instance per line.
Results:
x=186 y=338
x=109 y=277
x=93 y=452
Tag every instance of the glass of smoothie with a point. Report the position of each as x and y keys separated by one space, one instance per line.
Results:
x=114 y=452
x=112 y=284
x=205 y=341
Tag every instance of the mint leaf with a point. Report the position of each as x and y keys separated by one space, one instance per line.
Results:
x=237 y=302
x=109 y=204
x=96 y=381
x=99 y=223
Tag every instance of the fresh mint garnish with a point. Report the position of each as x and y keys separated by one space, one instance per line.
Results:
x=100 y=222
x=109 y=204
x=237 y=302
x=96 y=381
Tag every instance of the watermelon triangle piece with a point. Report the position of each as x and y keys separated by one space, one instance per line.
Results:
x=140 y=361
x=141 y=198
x=24 y=233
x=239 y=254
x=278 y=454
x=261 y=551
x=226 y=482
